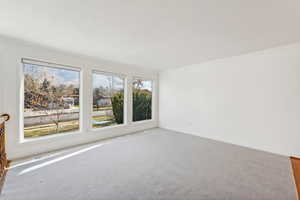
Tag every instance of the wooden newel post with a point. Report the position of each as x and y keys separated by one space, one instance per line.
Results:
x=3 y=158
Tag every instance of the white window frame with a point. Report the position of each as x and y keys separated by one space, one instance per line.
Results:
x=125 y=107
x=57 y=66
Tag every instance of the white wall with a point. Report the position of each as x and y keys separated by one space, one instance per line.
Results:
x=11 y=53
x=251 y=100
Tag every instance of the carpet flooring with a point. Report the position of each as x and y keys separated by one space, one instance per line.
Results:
x=156 y=164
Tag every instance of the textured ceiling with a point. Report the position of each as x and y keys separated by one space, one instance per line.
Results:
x=155 y=34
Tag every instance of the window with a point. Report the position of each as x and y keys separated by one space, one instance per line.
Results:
x=52 y=104
x=51 y=99
x=142 y=99
x=108 y=100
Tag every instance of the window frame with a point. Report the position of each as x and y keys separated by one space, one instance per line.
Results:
x=86 y=101
x=125 y=103
x=41 y=63
x=153 y=97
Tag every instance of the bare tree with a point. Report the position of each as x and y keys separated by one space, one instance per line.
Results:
x=46 y=98
x=138 y=84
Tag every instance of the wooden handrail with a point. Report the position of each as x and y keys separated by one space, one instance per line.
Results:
x=3 y=157
x=4 y=118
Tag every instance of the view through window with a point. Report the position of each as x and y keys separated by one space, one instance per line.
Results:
x=51 y=100
x=108 y=100
x=142 y=99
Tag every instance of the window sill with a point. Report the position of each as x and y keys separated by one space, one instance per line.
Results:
x=29 y=140
x=143 y=121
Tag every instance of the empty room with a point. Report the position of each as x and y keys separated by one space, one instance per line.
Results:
x=149 y=100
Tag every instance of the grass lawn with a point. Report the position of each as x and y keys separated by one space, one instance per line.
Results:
x=49 y=129
x=69 y=126
x=102 y=108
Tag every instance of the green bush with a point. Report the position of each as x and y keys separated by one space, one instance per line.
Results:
x=142 y=109
x=142 y=105
x=117 y=101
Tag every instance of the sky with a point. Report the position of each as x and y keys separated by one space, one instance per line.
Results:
x=147 y=85
x=56 y=75
x=71 y=77
x=118 y=83
x=107 y=81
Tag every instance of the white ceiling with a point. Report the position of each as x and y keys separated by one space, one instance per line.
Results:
x=156 y=34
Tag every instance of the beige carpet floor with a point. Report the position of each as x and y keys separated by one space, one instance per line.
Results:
x=154 y=165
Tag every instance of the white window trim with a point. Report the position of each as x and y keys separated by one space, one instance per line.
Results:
x=87 y=100
x=49 y=64
x=22 y=138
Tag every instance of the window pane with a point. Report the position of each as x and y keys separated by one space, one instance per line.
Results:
x=142 y=99
x=51 y=100
x=108 y=100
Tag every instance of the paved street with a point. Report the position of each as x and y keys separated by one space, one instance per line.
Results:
x=41 y=117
